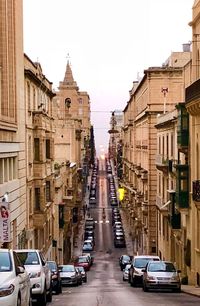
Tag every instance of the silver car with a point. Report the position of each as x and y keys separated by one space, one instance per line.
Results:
x=69 y=275
x=126 y=272
x=161 y=275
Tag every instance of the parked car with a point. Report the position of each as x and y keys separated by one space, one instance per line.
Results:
x=79 y=275
x=126 y=272
x=55 y=277
x=83 y=273
x=161 y=275
x=119 y=242
x=39 y=272
x=139 y=262
x=90 y=257
x=87 y=246
x=69 y=275
x=15 y=285
x=82 y=261
x=124 y=260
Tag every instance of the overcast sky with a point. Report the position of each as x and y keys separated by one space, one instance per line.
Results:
x=110 y=43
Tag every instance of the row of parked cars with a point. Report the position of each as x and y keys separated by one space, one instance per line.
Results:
x=89 y=237
x=112 y=191
x=93 y=185
x=118 y=230
x=150 y=272
x=26 y=275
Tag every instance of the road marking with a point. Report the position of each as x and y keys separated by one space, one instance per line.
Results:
x=102 y=221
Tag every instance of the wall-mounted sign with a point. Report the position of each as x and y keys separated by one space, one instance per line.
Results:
x=4 y=222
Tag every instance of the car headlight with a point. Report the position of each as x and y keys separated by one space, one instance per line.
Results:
x=4 y=291
x=136 y=272
x=73 y=276
x=175 y=278
x=34 y=274
x=151 y=278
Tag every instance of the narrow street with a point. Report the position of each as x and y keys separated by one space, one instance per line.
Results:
x=105 y=285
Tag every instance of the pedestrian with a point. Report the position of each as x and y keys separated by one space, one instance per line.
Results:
x=88 y=187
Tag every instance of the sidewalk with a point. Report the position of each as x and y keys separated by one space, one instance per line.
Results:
x=192 y=290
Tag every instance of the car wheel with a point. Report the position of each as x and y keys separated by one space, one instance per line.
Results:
x=178 y=290
x=133 y=283
x=49 y=295
x=86 y=280
x=18 y=301
x=145 y=289
x=60 y=287
x=42 y=299
x=123 y=279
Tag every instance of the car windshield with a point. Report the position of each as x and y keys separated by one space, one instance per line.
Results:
x=161 y=267
x=141 y=262
x=52 y=265
x=29 y=258
x=81 y=269
x=126 y=258
x=5 y=262
x=68 y=268
x=82 y=259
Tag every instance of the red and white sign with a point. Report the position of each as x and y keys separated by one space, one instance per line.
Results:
x=4 y=222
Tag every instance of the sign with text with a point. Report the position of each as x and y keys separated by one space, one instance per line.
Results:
x=4 y=222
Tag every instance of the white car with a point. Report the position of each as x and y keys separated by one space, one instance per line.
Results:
x=40 y=274
x=15 y=285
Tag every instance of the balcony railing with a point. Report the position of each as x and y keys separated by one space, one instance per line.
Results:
x=162 y=162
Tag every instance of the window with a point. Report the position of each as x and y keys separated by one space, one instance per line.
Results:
x=48 y=146
x=8 y=170
x=36 y=149
x=37 y=198
x=30 y=201
x=48 y=191
x=80 y=101
x=28 y=96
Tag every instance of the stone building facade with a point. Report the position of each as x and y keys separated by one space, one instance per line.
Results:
x=158 y=92
x=192 y=99
x=40 y=130
x=12 y=121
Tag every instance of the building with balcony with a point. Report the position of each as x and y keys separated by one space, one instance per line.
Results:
x=172 y=196
x=41 y=213
x=192 y=251
x=72 y=156
x=157 y=93
x=12 y=124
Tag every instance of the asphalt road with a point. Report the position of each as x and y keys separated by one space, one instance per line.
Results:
x=105 y=286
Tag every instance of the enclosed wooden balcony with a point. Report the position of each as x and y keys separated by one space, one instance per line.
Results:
x=182 y=186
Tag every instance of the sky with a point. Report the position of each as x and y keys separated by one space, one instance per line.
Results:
x=110 y=43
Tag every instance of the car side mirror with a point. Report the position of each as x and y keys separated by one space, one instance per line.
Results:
x=20 y=270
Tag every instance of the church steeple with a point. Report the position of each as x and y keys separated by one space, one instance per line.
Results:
x=69 y=79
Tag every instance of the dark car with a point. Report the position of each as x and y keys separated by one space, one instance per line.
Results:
x=55 y=277
x=83 y=273
x=124 y=260
x=119 y=242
